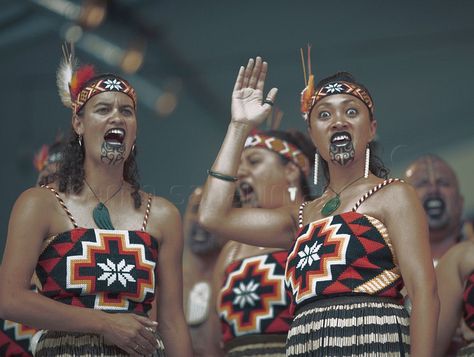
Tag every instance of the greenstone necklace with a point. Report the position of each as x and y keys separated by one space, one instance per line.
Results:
x=334 y=203
x=100 y=214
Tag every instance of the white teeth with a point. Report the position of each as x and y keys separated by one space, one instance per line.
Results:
x=341 y=137
x=120 y=132
x=434 y=204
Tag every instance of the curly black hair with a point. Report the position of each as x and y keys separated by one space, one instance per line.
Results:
x=376 y=165
x=302 y=142
x=70 y=175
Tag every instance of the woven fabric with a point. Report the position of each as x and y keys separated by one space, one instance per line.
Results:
x=253 y=299
x=350 y=326
x=110 y=270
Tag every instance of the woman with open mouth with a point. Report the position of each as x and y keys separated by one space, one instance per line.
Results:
x=252 y=302
x=351 y=249
x=96 y=241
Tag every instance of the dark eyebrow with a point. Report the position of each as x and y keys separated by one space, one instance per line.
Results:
x=102 y=103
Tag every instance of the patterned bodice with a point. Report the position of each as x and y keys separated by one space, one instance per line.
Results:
x=253 y=299
x=107 y=270
x=345 y=254
x=468 y=302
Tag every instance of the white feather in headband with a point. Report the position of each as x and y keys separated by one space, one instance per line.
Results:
x=65 y=73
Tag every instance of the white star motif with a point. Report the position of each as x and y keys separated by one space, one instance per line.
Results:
x=308 y=255
x=113 y=84
x=120 y=271
x=246 y=294
x=334 y=87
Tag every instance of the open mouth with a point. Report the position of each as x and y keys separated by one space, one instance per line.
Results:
x=341 y=138
x=115 y=137
x=246 y=192
x=434 y=207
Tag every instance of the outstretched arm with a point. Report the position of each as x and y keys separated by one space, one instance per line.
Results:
x=253 y=226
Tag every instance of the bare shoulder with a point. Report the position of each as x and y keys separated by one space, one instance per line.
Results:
x=164 y=218
x=162 y=209
x=398 y=195
x=36 y=198
x=462 y=254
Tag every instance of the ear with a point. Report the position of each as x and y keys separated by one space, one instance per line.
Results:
x=292 y=173
x=373 y=129
x=77 y=124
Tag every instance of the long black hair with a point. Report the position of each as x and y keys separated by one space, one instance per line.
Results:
x=376 y=165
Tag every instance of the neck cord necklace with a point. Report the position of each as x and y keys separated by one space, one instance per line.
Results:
x=334 y=203
x=100 y=214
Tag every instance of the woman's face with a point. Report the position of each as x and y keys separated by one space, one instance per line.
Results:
x=341 y=128
x=262 y=179
x=108 y=126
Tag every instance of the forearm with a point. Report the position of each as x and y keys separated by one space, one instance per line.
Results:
x=37 y=311
x=176 y=337
x=218 y=194
x=423 y=323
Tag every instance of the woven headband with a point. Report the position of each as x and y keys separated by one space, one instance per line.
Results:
x=106 y=83
x=280 y=147
x=338 y=87
x=76 y=85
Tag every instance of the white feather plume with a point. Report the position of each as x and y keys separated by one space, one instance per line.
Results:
x=64 y=74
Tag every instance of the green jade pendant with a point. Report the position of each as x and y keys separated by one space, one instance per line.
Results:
x=330 y=206
x=102 y=217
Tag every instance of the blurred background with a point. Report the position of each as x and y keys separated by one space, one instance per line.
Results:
x=416 y=57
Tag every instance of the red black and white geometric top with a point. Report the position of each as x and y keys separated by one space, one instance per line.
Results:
x=109 y=270
x=468 y=302
x=15 y=338
x=253 y=299
x=345 y=254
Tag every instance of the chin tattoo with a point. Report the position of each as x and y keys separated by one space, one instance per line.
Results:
x=112 y=155
x=342 y=154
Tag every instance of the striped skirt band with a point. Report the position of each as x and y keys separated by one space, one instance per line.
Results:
x=466 y=351
x=350 y=326
x=66 y=344
x=268 y=345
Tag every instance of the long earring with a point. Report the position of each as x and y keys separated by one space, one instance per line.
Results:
x=367 y=162
x=79 y=140
x=316 y=168
x=292 y=191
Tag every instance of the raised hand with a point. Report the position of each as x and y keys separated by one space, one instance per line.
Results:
x=132 y=333
x=248 y=103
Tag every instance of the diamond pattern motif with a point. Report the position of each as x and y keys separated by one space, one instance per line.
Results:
x=101 y=269
x=253 y=299
x=355 y=256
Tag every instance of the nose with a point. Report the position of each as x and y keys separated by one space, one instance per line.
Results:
x=243 y=170
x=339 y=122
x=116 y=116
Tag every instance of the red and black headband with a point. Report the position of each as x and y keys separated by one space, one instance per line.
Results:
x=310 y=96
x=77 y=85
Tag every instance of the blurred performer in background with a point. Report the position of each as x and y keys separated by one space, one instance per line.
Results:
x=200 y=253
x=95 y=240
x=47 y=159
x=455 y=274
x=437 y=186
x=438 y=189
x=252 y=304
x=15 y=338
